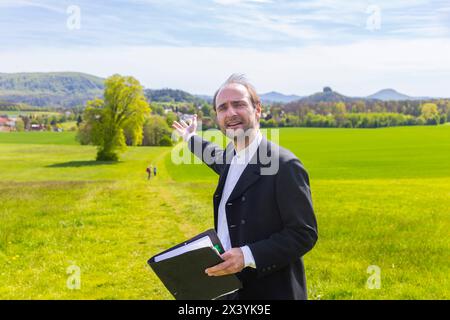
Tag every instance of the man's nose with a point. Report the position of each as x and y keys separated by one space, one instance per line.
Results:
x=231 y=111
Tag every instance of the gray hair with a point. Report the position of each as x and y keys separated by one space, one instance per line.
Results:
x=237 y=78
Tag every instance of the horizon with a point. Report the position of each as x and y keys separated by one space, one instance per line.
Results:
x=282 y=46
x=210 y=95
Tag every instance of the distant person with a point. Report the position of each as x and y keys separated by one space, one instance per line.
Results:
x=265 y=220
x=154 y=171
x=149 y=172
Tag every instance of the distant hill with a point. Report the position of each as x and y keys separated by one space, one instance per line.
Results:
x=204 y=97
x=273 y=96
x=270 y=97
x=7 y=104
x=327 y=95
x=390 y=95
x=70 y=89
x=66 y=89
x=172 y=95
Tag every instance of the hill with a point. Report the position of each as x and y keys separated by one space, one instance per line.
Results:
x=172 y=95
x=327 y=95
x=389 y=95
x=274 y=96
x=71 y=89
x=66 y=89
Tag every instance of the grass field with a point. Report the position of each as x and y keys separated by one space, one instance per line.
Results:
x=382 y=197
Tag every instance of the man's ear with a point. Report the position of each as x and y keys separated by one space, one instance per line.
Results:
x=258 y=110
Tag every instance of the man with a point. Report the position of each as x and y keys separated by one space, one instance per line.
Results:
x=265 y=222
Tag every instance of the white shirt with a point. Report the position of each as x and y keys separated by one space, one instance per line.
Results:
x=237 y=166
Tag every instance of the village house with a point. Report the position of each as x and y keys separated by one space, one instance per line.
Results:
x=7 y=124
x=37 y=127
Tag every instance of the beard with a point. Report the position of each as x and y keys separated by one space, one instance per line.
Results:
x=237 y=129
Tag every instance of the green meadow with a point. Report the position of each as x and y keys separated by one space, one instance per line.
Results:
x=382 y=198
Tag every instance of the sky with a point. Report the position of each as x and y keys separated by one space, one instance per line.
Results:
x=293 y=47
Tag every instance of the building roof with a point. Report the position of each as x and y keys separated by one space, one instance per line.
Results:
x=4 y=120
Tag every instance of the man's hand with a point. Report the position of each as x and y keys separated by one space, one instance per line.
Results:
x=183 y=128
x=234 y=263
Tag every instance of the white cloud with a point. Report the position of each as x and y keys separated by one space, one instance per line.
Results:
x=235 y=2
x=28 y=3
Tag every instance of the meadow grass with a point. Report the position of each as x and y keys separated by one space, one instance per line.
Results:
x=381 y=196
x=38 y=137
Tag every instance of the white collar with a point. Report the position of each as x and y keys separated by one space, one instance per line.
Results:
x=245 y=155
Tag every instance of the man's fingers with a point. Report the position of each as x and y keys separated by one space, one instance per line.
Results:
x=220 y=267
x=176 y=125
x=221 y=273
x=226 y=255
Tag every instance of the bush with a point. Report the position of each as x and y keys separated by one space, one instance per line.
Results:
x=155 y=129
x=420 y=121
x=104 y=155
x=84 y=134
x=165 y=141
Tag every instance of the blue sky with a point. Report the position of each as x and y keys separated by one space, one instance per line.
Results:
x=357 y=47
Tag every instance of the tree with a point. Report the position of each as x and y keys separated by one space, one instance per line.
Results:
x=157 y=109
x=339 y=108
x=165 y=141
x=156 y=130
x=171 y=117
x=430 y=113
x=105 y=121
x=448 y=111
x=206 y=109
x=79 y=120
x=20 y=125
x=26 y=122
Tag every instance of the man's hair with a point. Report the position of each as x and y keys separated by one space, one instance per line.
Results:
x=242 y=80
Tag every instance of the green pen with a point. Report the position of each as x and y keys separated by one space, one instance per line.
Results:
x=218 y=248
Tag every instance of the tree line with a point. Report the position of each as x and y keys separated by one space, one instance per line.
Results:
x=124 y=116
x=360 y=114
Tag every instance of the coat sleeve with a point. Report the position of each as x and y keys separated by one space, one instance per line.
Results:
x=208 y=152
x=299 y=233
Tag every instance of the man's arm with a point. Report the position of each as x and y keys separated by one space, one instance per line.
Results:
x=207 y=151
x=299 y=234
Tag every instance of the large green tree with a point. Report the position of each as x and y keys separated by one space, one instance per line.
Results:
x=430 y=113
x=105 y=122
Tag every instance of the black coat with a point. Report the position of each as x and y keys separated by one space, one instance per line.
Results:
x=272 y=214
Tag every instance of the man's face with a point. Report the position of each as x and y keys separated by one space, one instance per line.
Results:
x=235 y=112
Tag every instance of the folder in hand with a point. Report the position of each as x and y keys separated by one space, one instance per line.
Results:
x=182 y=269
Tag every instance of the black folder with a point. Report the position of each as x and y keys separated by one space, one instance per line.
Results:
x=184 y=275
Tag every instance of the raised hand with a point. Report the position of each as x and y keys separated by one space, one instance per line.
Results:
x=184 y=129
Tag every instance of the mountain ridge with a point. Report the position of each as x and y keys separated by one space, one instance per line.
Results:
x=70 y=89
